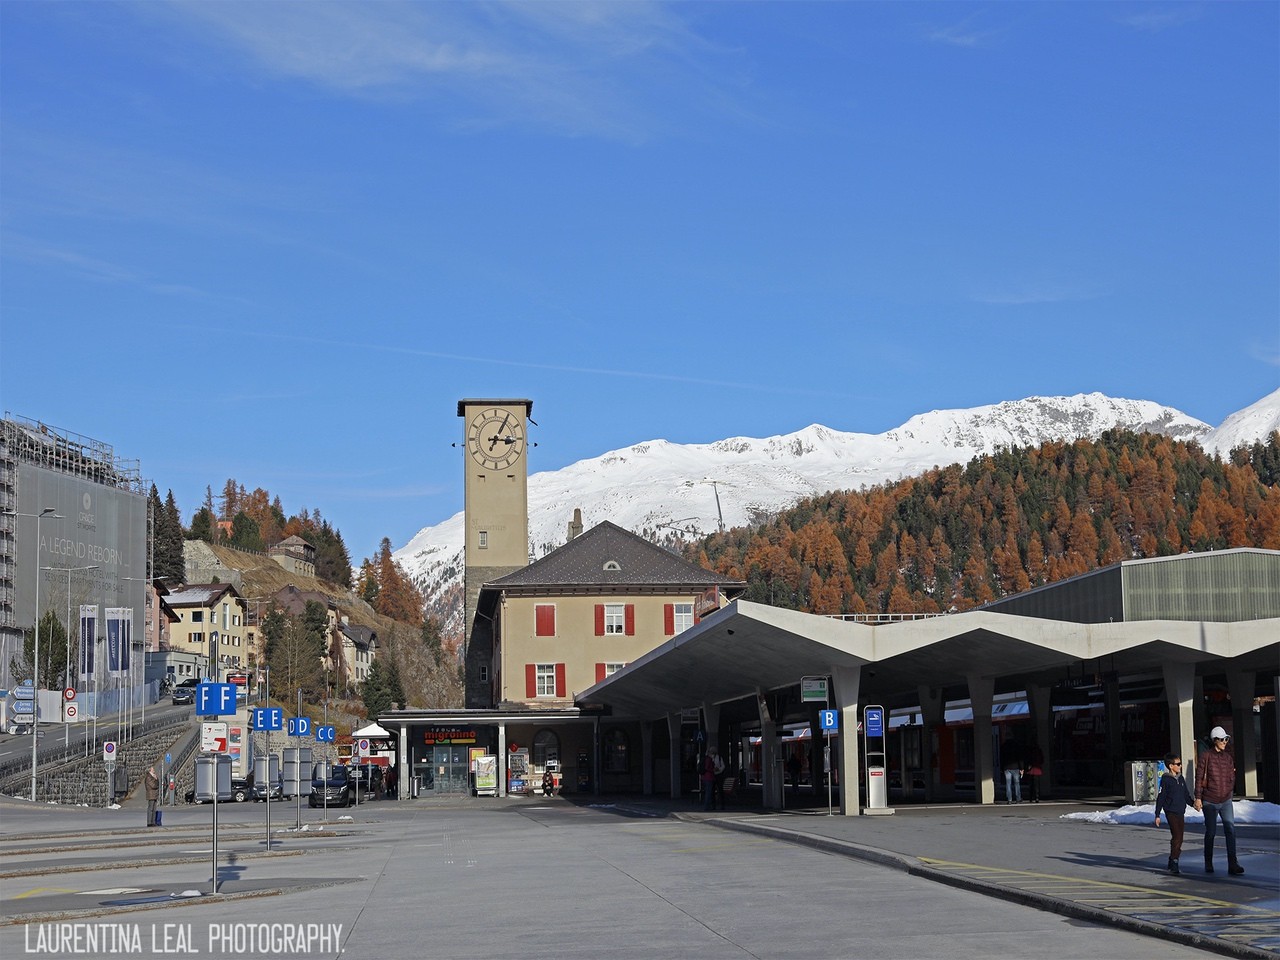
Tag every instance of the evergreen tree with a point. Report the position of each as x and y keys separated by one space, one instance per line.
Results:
x=202 y=526
x=244 y=533
x=375 y=692
x=170 y=561
x=53 y=654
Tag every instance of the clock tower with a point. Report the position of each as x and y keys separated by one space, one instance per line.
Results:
x=496 y=518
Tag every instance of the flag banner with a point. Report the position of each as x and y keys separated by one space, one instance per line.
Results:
x=116 y=652
x=88 y=634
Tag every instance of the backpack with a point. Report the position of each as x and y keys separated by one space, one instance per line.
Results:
x=719 y=764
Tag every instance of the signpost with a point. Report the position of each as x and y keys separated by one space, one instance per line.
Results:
x=215 y=700
x=109 y=762
x=830 y=723
x=873 y=727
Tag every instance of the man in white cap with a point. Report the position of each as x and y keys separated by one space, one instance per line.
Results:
x=1215 y=783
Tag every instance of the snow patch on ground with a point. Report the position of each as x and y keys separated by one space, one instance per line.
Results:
x=1143 y=814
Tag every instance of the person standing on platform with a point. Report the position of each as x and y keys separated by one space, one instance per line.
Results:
x=1011 y=757
x=1174 y=798
x=708 y=780
x=1215 y=784
x=1035 y=770
x=152 y=784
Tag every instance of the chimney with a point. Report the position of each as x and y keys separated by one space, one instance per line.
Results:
x=575 y=525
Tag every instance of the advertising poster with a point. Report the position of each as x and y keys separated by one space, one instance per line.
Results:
x=88 y=635
x=119 y=630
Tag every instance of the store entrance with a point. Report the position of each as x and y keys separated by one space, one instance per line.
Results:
x=447 y=770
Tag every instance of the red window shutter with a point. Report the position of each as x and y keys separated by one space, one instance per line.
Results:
x=530 y=680
x=629 y=619
x=544 y=620
x=599 y=672
x=599 y=619
x=669 y=619
x=559 y=679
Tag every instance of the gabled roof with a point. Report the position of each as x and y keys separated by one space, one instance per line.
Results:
x=609 y=556
x=200 y=594
x=360 y=636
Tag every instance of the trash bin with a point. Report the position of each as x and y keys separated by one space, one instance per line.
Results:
x=877 y=788
x=1141 y=780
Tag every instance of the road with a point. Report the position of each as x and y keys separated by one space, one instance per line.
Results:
x=16 y=746
x=512 y=877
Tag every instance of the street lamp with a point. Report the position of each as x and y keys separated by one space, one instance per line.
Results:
x=35 y=659
x=68 y=571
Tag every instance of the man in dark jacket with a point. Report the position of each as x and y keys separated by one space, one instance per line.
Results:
x=1215 y=783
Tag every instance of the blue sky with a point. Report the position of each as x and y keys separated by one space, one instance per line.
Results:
x=279 y=241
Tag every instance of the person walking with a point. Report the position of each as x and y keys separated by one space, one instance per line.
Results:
x=1215 y=784
x=1174 y=798
x=152 y=784
x=717 y=790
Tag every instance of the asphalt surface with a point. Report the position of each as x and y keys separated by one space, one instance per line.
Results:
x=919 y=873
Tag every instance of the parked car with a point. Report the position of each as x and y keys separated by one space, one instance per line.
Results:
x=345 y=785
x=277 y=790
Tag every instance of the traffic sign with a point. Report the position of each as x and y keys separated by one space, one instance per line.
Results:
x=364 y=747
x=326 y=734
x=69 y=711
x=213 y=737
x=829 y=719
x=24 y=706
x=69 y=693
x=215 y=699
x=299 y=727
x=24 y=691
x=109 y=752
x=268 y=718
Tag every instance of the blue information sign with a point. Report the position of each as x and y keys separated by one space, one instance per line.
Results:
x=326 y=734
x=268 y=718
x=829 y=719
x=299 y=727
x=875 y=722
x=215 y=699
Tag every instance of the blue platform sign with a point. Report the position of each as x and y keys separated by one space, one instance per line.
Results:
x=299 y=727
x=829 y=719
x=268 y=718
x=326 y=734
x=875 y=721
x=215 y=699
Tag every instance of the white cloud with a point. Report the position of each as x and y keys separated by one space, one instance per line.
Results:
x=1164 y=18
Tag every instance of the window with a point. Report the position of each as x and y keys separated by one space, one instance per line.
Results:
x=546 y=747
x=197 y=616
x=611 y=668
x=546 y=680
x=482 y=539
x=484 y=673
x=544 y=620
x=196 y=637
x=616 y=751
x=683 y=616
x=614 y=618
x=612 y=565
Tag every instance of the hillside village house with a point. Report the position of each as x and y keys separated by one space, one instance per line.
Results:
x=295 y=555
x=350 y=649
x=210 y=621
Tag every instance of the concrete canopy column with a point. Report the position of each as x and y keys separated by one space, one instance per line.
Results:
x=646 y=757
x=1240 y=685
x=1180 y=691
x=711 y=721
x=1041 y=707
x=403 y=771
x=502 y=758
x=1115 y=742
x=932 y=714
x=770 y=776
x=981 y=693
x=673 y=734
x=847 y=681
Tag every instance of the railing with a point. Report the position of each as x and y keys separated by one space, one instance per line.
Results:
x=882 y=617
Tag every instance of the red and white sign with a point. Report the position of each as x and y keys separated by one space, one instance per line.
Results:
x=362 y=747
x=109 y=752
x=69 y=712
x=213 y=737
x=69 y=693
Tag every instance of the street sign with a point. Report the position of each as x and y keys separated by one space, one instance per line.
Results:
x=23 y=706
x=215 y=699
x=109 y=752
x=268 y=718
x=364 y=747
x=69 y=711
x=69 y=693
x=829 y=719
x=24 y=691
x=299 y=727
x=326 y=734
x=813 y=689
x=213 y=737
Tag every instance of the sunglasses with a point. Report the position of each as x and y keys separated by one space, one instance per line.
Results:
x=1219 y=739
x=1175 y=763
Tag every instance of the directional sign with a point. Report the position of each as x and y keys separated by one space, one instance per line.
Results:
x=213 y=737
x=829 y=719
x=215 y=699
x=268 y=718
x=326 y=734
x=299 y=727
x=23 y=706
x=24 y=691
x=109 y=752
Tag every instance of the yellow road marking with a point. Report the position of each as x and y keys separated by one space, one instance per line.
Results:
x=32 y=893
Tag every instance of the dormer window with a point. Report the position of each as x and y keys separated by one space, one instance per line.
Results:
x=612 y=565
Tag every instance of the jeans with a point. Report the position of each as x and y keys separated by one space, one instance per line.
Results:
x=1212 y=811
x=1013 y=785
x=708 y=794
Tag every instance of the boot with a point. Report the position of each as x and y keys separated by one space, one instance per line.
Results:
x=1208 y=866
x=1235 y=869
x=1173 y=867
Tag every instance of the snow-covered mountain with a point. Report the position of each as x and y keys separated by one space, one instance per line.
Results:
x=658 y=488
x=1255 y=422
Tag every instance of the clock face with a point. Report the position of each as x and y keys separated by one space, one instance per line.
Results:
x=495 y=438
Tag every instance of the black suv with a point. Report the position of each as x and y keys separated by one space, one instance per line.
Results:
x=343 y=784
x=184 y=694
x=241 y=789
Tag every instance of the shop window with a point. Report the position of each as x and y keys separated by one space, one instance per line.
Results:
x=546 y=747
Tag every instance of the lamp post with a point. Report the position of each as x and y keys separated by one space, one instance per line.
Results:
x=35 y=659
x=68 y=571
x=150 y=616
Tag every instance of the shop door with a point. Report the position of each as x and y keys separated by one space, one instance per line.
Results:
x=451 y=769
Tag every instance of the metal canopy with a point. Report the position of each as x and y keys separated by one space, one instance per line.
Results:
x=746 y=647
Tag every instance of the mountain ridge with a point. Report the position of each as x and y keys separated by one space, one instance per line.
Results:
x=668 y=491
